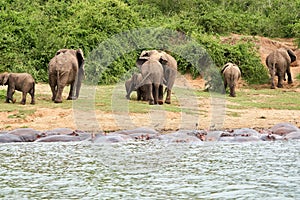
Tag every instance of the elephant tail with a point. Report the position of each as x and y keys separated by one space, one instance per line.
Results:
x=142 y=82
x=33 y=87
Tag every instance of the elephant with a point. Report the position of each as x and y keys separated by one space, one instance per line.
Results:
x=22 y=82
x=278 y=63
x=169 y=65
x=231 y=74
x=131 y=85
x=153 y=76
x=66 y=67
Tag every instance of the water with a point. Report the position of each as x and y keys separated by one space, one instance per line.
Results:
x=150 y=170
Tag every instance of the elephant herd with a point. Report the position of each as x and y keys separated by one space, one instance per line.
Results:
x=156 y=69
x=281 y=131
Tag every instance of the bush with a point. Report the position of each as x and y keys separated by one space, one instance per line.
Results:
x=32 y=31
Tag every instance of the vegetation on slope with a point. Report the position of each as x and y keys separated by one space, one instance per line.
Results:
x=32 y=31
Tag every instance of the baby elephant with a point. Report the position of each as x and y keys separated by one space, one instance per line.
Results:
x=133 y=84
x=232 y=74
x=18 y=81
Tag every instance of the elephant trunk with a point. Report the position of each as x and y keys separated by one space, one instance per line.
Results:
x=129 y=88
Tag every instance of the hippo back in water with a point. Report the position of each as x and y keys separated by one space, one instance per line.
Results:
x=26 y=134
x=283 y=129
x=292 y=136
x=182 y=136
x=59 y=138
x=114 y=138
x=8 y=138
x=58 y=131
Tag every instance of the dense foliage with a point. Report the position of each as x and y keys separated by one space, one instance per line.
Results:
x=32 y=31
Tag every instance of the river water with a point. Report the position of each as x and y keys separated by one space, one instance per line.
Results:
x=150 y=170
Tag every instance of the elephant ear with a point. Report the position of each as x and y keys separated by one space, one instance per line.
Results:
x=5 y=79
x=144 y=56
x=61 y=51
x=292 y=55
x=224 y=67
x=163 y=59
x=80 y=57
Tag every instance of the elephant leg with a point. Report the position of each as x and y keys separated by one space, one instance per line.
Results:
x=53 y=86
x=168 y=98
x=60 y=88
x=288 y=72
x=139 y=94
x=150 y=94
x=58 y=98
x=272 y=72
x=280 y=80
x=23 y=101
x=160 y=94
x=156 y=93
x=71 y=93
x=225 y=86
x=31 y=92
x=232 y=90
x=9 y=95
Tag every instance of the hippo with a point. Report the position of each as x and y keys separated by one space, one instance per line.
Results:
x=270 y=137
x=215 y=135
x=246 y=132
x=137 y=133
x=295 y=135
x=58 y=131
x=240 y=135
x=7 y=138
x=283 y=129
x=181 y=136
x=27 y=134
x=114 y=138
x=59 y=138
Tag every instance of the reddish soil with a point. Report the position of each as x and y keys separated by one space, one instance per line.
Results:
x=45 y=118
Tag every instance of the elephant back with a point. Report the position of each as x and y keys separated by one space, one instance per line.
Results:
x=230 y=68
x=152 y=72
x=282 y=57
x=64 y=62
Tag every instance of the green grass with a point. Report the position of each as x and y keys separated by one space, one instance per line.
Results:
x=279 y=99
x=111 y=98
x=22 y=114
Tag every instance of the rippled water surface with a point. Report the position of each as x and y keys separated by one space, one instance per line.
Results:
x=150 y=170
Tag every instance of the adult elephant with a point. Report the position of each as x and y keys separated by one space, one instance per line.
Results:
x=231 y=73
x=66 y=67
x=169 y=66
x=278 y=63
x=153 y=75
x=132 y=85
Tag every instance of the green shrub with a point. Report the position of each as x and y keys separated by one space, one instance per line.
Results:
x=32 y=31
